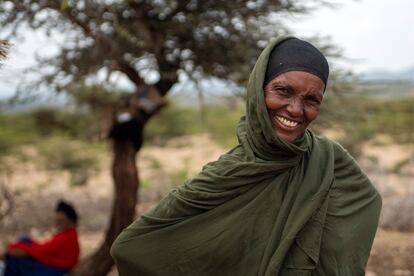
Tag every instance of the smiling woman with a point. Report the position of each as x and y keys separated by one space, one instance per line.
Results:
x=295 y=81
x=293 y=101
x=282 y=202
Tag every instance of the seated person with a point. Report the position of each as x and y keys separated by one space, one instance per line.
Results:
x=56 y=256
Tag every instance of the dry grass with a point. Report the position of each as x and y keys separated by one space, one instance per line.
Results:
x=392 y=254
x=399 y=213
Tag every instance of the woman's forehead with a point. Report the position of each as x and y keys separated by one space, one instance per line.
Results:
x=298 y=78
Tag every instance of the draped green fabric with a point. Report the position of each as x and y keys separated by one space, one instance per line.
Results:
x=267 y=207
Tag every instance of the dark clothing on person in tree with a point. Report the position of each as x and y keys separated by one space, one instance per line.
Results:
x=130 y=130
x=267 y=207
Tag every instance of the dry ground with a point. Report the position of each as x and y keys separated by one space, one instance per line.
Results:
x=35 y=192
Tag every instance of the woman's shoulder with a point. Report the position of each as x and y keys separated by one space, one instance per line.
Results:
x=345 y=164
x=324 y=143
x=349 y=176
x=338 y=150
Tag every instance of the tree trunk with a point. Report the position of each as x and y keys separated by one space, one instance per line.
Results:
x=125 y=176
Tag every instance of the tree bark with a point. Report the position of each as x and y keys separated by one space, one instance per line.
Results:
x=125 y=176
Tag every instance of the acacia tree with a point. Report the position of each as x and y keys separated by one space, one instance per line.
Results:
x=132 y=37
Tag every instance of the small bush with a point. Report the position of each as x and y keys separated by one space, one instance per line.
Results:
x=397 y=168
x=173 y=121
x=362 y=118
x=16 y=130
x=33 y=126
x=76 y=124
x=221 y=123
x=78 y=158
x=176 y=120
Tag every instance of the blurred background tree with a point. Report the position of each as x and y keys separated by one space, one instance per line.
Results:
x=3 y=49
x=164 y=39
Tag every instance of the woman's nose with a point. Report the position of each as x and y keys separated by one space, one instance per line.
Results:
x=295 y=107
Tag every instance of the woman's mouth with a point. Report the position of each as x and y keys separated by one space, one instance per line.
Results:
x=285 y=122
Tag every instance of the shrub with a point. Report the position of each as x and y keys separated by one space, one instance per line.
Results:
x=177 y=120
x=16 y=130
x=78 y=158
x=362 y=118
x=77 y=124
x=173 y=121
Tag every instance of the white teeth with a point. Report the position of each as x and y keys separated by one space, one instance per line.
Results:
x=286 y=122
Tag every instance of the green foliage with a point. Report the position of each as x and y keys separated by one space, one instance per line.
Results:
x=58 y=136
x=395 y=118
x=400 y=165
x=175 y=120
x=144 y=183
x=16 y=130
x=155 y=164
x=76 y=124
x=30 y=127
x=215 y=38
x=76 y=157
x=94 y=97
x=221 y=122
x=361 y=118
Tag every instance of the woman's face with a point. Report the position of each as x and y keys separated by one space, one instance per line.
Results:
x=293 y=101
x=62 y=222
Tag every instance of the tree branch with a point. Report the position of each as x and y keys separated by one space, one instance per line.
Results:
x=129 y=71
x=4 y=47
x=84 y=26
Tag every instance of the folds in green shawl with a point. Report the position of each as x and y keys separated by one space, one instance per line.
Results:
x=267 y=207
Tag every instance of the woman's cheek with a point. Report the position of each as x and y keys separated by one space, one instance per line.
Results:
x=312 y=113
x=273 y=102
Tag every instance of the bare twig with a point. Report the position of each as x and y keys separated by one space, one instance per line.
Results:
x=4 y=47
x=7 y=203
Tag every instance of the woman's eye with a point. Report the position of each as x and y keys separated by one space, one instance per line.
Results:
x=313 y=101
x=282 y=91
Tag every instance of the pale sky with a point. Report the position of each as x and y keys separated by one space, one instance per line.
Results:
x=374 y=34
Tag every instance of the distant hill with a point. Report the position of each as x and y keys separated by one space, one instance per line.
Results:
x=377 y=83
x=386 y=84
x=384 y=75
x=386 y=89
x=49 y=99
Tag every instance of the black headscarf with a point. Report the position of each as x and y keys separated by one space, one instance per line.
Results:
x=68 y=210
x=294 y=54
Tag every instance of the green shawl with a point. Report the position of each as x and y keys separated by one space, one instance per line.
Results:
x=267 y=207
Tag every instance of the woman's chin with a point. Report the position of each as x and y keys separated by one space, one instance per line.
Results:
x=287 y=137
